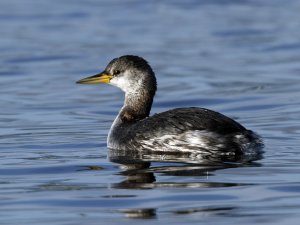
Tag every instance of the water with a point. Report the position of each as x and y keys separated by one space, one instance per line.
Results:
x=237 y=57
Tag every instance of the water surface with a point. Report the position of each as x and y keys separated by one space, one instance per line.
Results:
x=237 y=57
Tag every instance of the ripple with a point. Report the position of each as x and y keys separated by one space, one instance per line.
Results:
x=233 y=56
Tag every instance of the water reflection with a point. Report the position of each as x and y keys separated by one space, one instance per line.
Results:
x=141 y=169
x=136 y=167
x=140 y=213
x=151 y=213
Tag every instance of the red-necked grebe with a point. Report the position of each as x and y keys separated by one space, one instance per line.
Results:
x=178 y=130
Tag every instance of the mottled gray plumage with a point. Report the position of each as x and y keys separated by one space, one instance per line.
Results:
x=182 y=129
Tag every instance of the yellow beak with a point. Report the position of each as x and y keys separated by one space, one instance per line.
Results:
x=99 y=78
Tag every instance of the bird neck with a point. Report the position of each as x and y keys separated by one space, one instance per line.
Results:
x=137 y=106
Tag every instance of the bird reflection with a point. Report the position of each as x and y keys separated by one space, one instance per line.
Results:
x=136 y=167
x=140 y=213
x=151 y=213
x=140 y=169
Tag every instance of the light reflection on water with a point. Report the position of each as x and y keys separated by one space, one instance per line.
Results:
x=237 y=57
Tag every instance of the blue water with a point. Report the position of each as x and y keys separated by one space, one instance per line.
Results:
x=237 y=57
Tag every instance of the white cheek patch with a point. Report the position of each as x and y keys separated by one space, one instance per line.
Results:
x=124 y=81
x=120 y=82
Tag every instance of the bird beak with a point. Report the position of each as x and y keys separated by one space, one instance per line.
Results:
x=98 y=78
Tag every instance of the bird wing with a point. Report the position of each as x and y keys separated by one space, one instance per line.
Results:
x=179 y=120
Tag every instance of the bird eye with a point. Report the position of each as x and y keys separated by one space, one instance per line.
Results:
x=116 y=72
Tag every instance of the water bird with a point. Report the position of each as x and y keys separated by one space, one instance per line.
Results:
x=176 y=130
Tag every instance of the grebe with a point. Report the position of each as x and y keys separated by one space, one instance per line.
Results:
x=176 y=130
